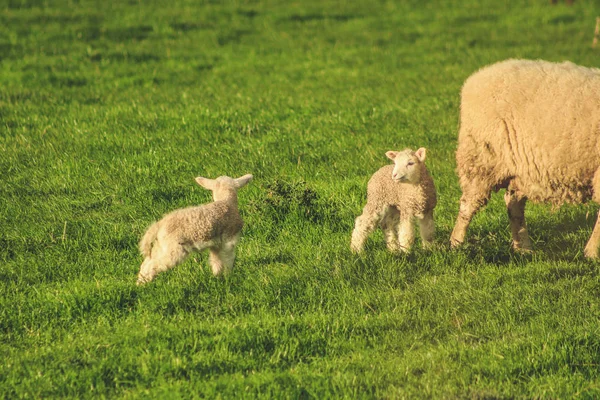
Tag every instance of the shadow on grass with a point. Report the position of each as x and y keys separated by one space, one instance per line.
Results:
x=320 y=17
x=282 y=257
x=190 y=26
x=139 y=32
x=136 y=58
x=233 y=37
x=563 y=19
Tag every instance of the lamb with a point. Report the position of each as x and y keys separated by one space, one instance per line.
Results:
x=396 y=195
x=216 y=226
x=532 y=128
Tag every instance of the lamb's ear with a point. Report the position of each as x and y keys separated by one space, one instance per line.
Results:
x=391 y=154
x=206 y=183
x=243 y=180
x=421 y=153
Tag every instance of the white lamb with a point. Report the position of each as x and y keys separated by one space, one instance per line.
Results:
x=216 y=226
x=533 y=128
x=396 y=195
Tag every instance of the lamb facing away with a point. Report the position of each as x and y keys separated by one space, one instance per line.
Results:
x=533 y=128
x=396 y=194
x=216 y=226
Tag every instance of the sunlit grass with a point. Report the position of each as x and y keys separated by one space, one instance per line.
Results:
x=108 y=110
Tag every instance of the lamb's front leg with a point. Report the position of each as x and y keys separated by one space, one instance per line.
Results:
x=364 y=225
x=406 y=232
x=427 y=229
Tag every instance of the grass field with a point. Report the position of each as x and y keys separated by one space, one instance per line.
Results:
x=108 y=110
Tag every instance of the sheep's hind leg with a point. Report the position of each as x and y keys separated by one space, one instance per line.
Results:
x=389 y=226
x=365 y=224
x=515 y=206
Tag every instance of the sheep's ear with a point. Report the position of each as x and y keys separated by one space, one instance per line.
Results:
x=243 y=180
x=206 y=183
x=391 y=154
x=421 y=153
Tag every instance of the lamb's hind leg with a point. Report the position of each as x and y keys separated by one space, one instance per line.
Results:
x=165 y=255
x=146 y=273
x=515 y=205
x=427 y=230
x=221 y=258
x=389 y=226
x=365 y=224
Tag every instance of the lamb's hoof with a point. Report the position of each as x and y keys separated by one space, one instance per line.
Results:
x=393 y=249
x=428 y=246
x=523 y=250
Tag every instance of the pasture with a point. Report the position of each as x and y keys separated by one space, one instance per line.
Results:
x=109 y=110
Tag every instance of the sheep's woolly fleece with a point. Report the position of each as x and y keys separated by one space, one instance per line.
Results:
x=533 y=126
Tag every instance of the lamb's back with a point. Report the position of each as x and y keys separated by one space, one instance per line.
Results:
x=214 y=221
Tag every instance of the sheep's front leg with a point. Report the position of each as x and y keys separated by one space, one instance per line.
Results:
x=427 y=229
x=221 y=258
x=406 y=232
x=389 y=226
x=515 y=206
x=365 y=224
x=591 y=248
x=470 y=202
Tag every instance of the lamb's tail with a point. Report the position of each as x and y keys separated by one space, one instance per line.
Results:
x=149 y=237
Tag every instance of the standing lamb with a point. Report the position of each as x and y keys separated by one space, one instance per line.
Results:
x=533 y=128
x=215 y=226
x=396 y=194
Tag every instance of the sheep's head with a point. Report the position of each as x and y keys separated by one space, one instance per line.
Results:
x=407 y=165
x=224 y=187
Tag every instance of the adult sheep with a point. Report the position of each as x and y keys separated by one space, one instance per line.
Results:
x=533 y=128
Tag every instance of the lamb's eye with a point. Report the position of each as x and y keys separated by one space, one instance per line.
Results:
x=411 y=163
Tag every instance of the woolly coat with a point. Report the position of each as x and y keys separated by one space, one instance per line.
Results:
x=532 y=127
x=211 y=223
x=410 y=199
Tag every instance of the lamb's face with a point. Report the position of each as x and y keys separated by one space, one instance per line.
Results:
x=407 y=168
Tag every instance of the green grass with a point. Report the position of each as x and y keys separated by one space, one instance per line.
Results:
x=108 y=110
